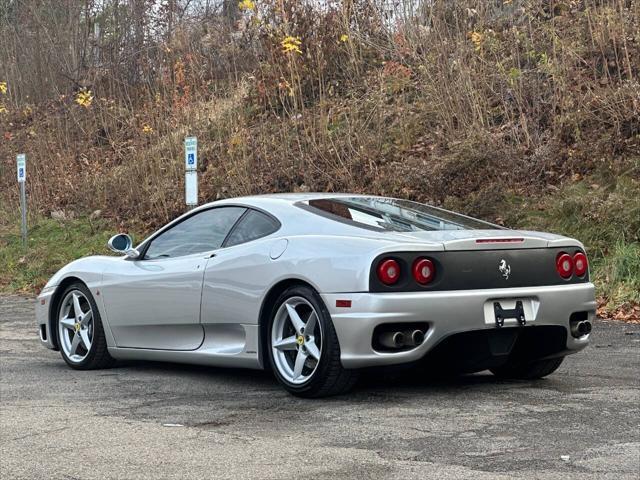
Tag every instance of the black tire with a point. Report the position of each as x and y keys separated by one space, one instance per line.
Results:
x=528 y=370
x=329 y=378
x=98 y=356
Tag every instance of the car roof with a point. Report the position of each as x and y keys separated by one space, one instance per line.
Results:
x=298 y=196
x=284 y=198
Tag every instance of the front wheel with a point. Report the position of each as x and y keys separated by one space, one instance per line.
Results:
x=528 y=370
x=80 y=334
x=303 y=346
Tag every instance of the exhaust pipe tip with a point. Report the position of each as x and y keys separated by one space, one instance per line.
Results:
x=392 y=339
x=400 y=339
x=417 y=337
x=581 y=328
x=584 y=328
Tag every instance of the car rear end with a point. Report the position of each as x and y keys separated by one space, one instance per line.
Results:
x=487 y=296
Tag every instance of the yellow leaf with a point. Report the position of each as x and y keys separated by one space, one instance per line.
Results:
x=84 y=98
x=3 y=87
x=291 y=44
x=477 y=38
x=246 y=5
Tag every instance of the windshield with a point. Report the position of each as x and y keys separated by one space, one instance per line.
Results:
x=393 y=214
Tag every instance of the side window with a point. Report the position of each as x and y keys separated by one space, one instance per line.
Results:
x=202 y=232
x=252 y=226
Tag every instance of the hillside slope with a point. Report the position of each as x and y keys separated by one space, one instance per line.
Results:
x=526 y=113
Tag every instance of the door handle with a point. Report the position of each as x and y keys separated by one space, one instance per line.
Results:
x=210 y=256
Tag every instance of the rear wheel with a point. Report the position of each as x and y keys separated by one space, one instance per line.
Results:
x=303 y=346
x=80 y=334
x=528 y=370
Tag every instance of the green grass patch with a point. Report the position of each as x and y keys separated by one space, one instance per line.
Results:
x=606 y=218
x=51 y=245
x=617 y=275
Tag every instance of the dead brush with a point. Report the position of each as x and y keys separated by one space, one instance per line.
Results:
x=359 y=95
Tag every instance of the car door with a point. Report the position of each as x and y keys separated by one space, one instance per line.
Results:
x=235 y=279
x=154 y=302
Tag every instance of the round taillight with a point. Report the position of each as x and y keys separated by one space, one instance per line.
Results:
x=580 y=263
x=564 y=265
x=389 y=271
x=423 y=270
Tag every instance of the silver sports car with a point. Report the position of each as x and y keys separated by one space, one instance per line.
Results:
x=318 y=287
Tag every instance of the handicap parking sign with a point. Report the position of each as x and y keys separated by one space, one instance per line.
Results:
x=21 y=161
x=191 y=153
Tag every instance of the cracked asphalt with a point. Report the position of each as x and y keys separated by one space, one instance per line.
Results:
x=151 y=420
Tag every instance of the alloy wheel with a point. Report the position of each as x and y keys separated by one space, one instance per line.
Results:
x=75 y=326
x=296 y=340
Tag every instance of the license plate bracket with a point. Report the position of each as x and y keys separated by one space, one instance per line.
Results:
x=502 y=313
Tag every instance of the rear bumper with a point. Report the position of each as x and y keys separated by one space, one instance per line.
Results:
x=448 y=313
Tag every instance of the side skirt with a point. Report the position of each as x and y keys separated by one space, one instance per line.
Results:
x=224 y=345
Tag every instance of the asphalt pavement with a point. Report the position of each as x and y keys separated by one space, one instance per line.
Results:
x=157 y=421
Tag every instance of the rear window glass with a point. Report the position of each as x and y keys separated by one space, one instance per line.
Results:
x=393 y=214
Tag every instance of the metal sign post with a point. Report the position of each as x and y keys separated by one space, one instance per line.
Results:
x=191 y=172
x=21 y=161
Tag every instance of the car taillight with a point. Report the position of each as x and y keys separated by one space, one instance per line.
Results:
x=564 y=265
x=423 y=270
x=389 y=271
x=580 y=264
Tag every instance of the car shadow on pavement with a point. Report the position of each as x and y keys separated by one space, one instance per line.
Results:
x=374 y=381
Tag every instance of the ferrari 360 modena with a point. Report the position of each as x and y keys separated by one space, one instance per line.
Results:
x=318 y=287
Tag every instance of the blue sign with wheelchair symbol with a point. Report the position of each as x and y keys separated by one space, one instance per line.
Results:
x=22 y=167
x=191 y=153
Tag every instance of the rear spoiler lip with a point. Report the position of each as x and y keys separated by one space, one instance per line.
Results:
x=486 y=243
x=509 y=243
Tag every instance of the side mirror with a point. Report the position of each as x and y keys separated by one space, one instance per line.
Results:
x=122 y=243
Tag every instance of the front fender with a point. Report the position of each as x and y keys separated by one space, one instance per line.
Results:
x=88 y=270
